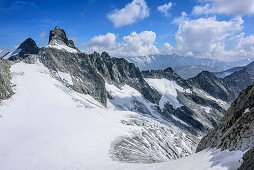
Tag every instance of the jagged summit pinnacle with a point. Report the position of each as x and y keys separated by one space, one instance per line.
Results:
x=58 y=36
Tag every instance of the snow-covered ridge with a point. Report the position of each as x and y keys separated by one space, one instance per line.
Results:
x=62 y=47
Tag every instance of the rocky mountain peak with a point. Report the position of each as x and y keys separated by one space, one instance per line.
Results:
x=169 y=69
x=213 y=85
x=27 y=47
x=58 y=36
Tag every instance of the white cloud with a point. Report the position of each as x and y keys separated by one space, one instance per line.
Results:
x=132 y=45
x=229 y=7
x=206 y=38
x=131 y=13
x=244 y=46
x=167 y=49
x=102 y=40
x=181 y=19
x=199 y=10
x=164 y=9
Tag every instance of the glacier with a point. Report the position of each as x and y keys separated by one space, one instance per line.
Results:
x=46 y=125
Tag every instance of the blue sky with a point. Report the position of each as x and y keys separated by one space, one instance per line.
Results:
x=87 y=19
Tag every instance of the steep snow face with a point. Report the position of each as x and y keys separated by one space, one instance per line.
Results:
x=127 y=98
x=169 y=90
x=54 y=44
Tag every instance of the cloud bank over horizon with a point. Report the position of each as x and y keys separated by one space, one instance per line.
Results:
x=217 y=29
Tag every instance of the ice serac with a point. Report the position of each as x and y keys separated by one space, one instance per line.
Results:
x=26 y=48
x=59 y=37
x=235 y=132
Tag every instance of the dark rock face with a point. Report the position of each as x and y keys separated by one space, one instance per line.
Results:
x=59 y=36
x=239 y=80
x=212 y=85
x=26 y=48
x=236 y=129
x=119 y=71
x=248 y=160
x=85 y=78
x=5 y=77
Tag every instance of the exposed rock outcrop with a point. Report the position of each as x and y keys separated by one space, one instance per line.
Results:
x=5 y=77
x=239 y=80
x=58 y=36
x=248 y=160
x=236 y=131
x=212 y=85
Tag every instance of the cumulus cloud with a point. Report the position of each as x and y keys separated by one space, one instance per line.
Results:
x=131 y=45
x=131 y=13
x=102 y=40
x=164 y=9
x=229 y=7
x=206 y=37
x=167 y=49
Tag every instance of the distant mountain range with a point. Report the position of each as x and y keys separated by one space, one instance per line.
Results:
x=186 y=67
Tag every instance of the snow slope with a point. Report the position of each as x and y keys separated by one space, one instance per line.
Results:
x=45 y=125
x=205 y=160
x=169 y=90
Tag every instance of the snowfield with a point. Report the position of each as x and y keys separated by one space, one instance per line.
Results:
x=47 y=126
x=169 y=90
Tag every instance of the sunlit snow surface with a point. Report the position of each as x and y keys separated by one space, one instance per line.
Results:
x=62 y=47
x=45 y=125
x=169 y=90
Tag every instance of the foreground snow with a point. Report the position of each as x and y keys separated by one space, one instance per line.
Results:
x=205 y=160
x=45 y=125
